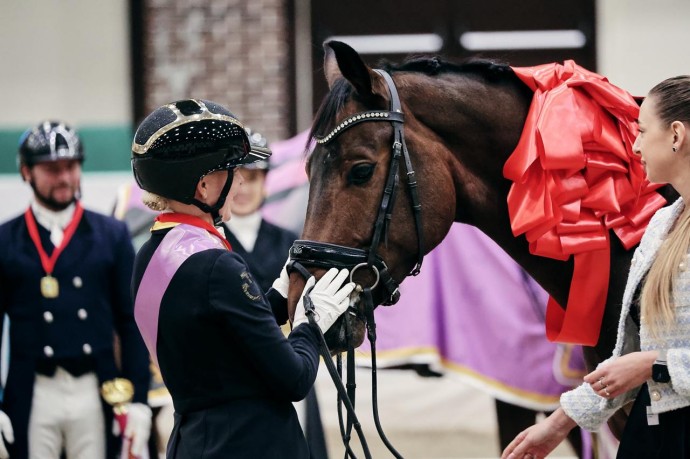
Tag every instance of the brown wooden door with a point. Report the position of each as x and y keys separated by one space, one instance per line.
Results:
x=522 y=33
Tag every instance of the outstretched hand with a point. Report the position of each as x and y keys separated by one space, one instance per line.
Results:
x=537 y=441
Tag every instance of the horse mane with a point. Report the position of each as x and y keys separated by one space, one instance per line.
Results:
x=492 y=71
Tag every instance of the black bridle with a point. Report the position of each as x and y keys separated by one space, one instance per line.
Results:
x=324 y=255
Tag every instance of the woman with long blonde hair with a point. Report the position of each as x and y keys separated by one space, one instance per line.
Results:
x=650 y=365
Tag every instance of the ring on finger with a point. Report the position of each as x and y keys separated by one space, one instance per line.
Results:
x=601 y=382
x=606 y=391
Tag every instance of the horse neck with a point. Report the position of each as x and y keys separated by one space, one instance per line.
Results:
x=480 y=124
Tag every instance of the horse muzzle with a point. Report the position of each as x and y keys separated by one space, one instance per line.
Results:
x=349 y=330
x=325 y=255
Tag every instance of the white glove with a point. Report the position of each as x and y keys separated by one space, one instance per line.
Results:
x=329 y=298
x=282 y=284
x=6 y=432
x=138 y=427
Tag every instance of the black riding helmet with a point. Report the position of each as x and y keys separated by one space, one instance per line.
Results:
x=49 y=141
x=181 y=142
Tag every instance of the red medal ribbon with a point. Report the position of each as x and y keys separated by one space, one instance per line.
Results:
x=175 y=217
x=48 y=262
x=575 y=177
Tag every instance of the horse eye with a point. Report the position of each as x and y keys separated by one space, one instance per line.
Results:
x=360 y=174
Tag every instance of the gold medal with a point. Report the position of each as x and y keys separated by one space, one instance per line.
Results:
x=49 y=287
x=49 y=284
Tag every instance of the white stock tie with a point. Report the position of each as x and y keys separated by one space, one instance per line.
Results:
x=56 y=235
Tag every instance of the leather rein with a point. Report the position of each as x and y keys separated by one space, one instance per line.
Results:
x=325 y=255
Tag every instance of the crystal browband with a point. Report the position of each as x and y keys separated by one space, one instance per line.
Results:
x=374 y=115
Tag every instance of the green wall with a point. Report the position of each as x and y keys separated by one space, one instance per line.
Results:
x=107 y=148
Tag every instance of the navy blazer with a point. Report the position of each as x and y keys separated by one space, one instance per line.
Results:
x=94 y=303
x=230 y=370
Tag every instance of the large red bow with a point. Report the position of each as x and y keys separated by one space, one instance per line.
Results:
x=575 y=177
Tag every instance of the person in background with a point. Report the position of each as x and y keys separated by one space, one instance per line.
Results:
x=65 y=273
x=213 y=332
x=260 y=243
x=263 y=246
x=650 y=365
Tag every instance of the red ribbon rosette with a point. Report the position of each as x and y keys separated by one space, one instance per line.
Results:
x=575 y=177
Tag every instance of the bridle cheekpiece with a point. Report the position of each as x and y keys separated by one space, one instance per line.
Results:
x=326 y=255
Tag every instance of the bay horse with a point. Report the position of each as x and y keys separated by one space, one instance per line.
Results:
x=461 y=124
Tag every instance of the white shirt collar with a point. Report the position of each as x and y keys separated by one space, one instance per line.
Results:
x=50 y=219
x=246 y=229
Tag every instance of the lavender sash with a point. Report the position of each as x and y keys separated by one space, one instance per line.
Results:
x=178 y=245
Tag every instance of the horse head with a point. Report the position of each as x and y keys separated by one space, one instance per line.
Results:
x=385 y=179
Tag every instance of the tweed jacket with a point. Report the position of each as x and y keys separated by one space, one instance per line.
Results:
x=584 y=405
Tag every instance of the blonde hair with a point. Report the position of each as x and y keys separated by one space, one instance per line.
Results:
x=656 y=300
x=672 y=103
x=154 y=201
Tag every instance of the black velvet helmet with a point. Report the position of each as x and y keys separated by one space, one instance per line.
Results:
x=49 y=141
x=181 y=142
x=259 y=145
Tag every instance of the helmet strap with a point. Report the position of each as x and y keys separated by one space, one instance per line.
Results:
x=214 y=209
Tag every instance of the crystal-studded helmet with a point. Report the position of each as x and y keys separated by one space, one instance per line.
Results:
x=181 y=142
x=49 y=141
x=259 y=145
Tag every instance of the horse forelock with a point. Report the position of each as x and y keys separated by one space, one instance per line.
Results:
x=332 y=103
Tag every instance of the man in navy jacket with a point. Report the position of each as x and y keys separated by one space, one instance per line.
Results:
x=65 y=274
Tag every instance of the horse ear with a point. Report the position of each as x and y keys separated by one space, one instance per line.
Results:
x=340 y=61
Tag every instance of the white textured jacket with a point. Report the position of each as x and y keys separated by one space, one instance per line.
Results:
x=584 y=405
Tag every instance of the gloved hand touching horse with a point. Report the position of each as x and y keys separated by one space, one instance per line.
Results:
x=329 y=298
